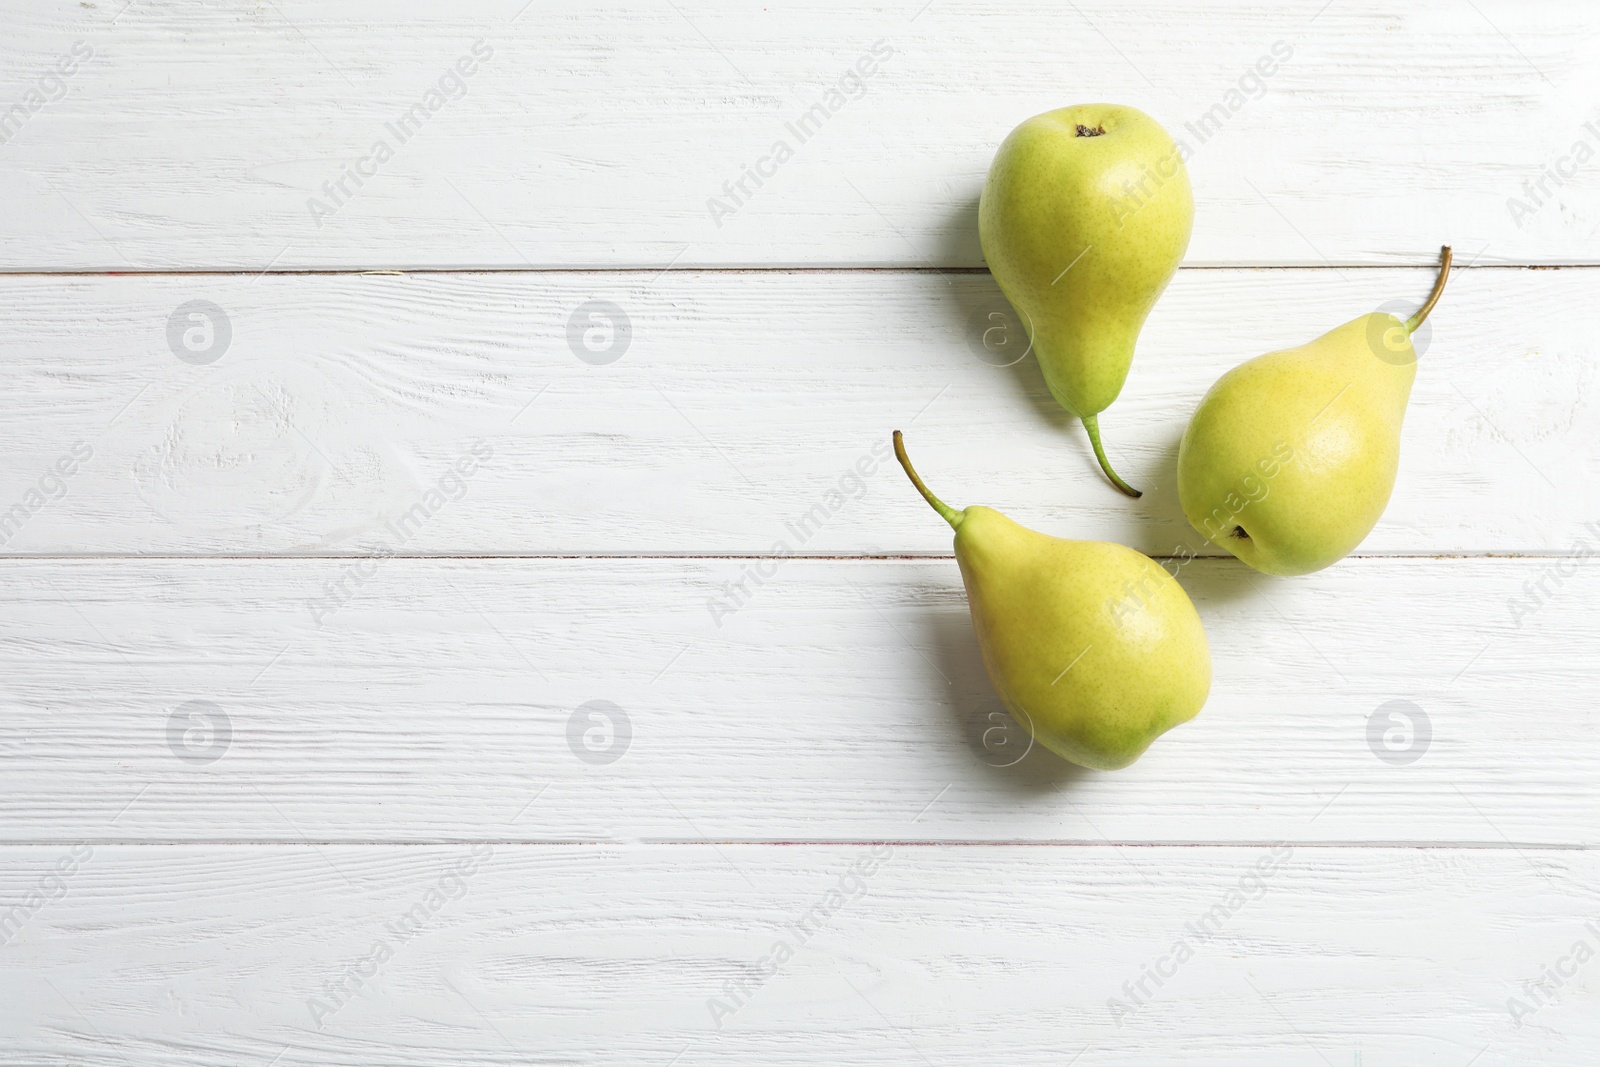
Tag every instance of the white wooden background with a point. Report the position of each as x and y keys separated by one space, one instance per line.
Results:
x=227 y=785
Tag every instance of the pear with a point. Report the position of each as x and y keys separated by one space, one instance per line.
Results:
x=1084 y=216
x=1291 y=457
x=1094 y=648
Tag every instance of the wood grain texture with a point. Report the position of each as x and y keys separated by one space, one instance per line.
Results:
x=562 y=804
x=197 y=135
x=740 y=414
x=1298 y=957
x=840 y=701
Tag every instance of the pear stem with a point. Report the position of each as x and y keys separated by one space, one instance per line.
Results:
x=1433 y=298
x=1092 y=424
x=948 y=513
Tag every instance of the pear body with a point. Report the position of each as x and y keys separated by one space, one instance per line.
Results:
x=1290 y=458
x=1082 y=231
x=1093 y=647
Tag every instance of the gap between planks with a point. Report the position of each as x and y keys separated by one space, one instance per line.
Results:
x=669 y=557
x=390 y=271
x=654 y=842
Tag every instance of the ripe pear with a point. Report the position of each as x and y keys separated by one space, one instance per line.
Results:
x=1084 y=216
x=1291 y=457
x=1094 y=648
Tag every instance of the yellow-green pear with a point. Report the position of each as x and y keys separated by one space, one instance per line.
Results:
x=1094 y=648
x=1084 y=217
x=1290 y=458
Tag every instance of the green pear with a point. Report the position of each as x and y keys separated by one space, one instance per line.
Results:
x=1094 y=648
x=1290 y=458
x=1084 y=216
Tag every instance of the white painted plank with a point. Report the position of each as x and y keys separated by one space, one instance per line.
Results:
x=740 y=403
x=1297 y=957
x=844 y=700
x=196 y=136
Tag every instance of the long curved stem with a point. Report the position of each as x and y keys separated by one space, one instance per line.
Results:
x=1092 y=424
x=1433 y=298
x=948 y=513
